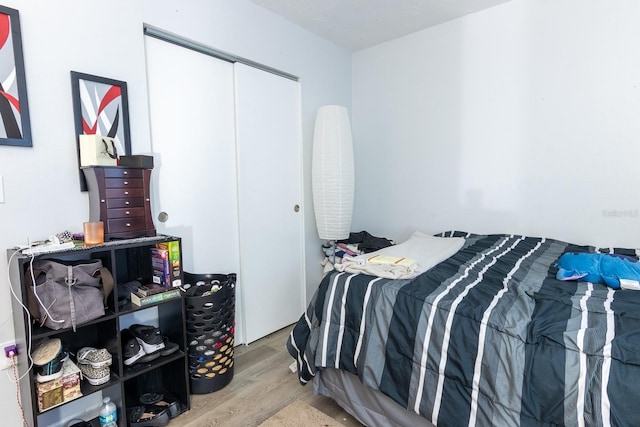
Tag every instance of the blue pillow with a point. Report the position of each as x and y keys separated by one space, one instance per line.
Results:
x=615 y=271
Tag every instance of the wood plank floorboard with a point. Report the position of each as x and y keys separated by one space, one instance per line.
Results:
x=262 y=385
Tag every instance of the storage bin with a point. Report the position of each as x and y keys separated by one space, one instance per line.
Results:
x=210 y=307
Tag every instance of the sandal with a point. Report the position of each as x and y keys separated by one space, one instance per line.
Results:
x=169 y=347
x=167 y=401
x=148 y=416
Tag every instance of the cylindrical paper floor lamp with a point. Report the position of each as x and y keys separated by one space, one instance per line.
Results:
x=332 y=172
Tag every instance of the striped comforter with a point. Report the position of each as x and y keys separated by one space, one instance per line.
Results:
x=488 y=337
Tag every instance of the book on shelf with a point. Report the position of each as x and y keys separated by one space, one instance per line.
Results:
x=151 y=289
x=141 y=300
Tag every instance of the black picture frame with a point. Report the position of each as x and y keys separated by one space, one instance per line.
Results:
x=100 y=106
x=15 y=124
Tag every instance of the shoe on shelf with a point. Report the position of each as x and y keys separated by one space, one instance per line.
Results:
x=145 y=343
x=169 y=347
x=131 y=349
x=147 y=416
x=49 y=358
x=164 y=400
x=97 y=358
x=149 y=337
x=150 y=357
x=95 y=376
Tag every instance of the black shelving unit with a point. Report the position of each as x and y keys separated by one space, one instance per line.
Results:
x=127 y=260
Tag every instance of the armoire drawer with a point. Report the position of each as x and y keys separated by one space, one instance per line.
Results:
x=130 y=202
x=117 y=172
x=118 y=193
x=126 y=224
x=123 y=183
x=125 y=213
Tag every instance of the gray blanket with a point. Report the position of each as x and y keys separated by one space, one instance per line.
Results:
x=487 y=337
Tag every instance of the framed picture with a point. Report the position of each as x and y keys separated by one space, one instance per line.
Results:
x=15 y=128
x=100 y=107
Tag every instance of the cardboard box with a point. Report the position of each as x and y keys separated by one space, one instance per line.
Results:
x=161 y=267
x=61 y=390
x=136 y=161
x=174 y=260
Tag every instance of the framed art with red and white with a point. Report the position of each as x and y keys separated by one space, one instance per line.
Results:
x=15 y=127
x=100 y=107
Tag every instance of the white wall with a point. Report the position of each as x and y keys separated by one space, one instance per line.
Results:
x=105 y=39
x=524 y=118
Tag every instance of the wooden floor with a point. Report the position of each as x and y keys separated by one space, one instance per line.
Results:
x=262 y=385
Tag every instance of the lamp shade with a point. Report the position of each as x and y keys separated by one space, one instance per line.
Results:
x=332 y=172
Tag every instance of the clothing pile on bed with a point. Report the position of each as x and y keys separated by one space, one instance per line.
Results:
x=405 y=260
x=377 y=256
x=357 y=244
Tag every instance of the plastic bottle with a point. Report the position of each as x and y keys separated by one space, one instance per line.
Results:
x=108 y=413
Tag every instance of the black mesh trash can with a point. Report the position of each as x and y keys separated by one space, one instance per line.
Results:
x=210 y=306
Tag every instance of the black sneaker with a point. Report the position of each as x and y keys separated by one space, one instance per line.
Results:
x=149 y=337
x=49 y=357
x=131 y=349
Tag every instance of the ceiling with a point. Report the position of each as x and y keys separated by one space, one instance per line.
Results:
x=359 y=24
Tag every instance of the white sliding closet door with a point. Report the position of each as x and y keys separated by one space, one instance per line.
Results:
x=226 y=146
x=191 y=104
x=269 y=199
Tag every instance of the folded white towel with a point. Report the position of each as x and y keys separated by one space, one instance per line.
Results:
x=422 y=251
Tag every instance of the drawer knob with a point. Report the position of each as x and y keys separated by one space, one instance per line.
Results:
x=126 y=203
x=126 y=172
x=102 y=200
x=128 y=225
x=127 y=212
x=126 y=193
x=126 y=182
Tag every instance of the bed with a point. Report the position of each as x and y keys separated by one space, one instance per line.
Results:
x=487 y=337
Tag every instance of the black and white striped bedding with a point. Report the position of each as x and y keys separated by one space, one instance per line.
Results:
x=488 y=337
